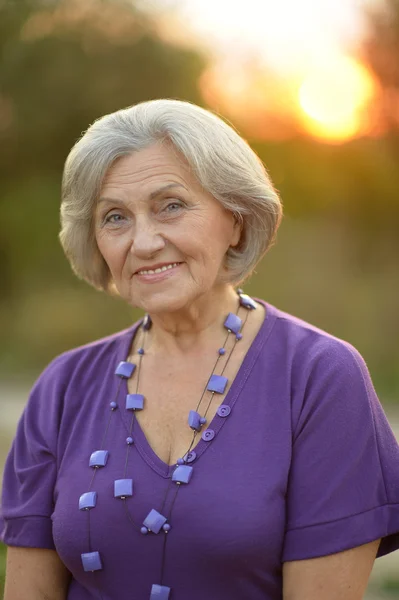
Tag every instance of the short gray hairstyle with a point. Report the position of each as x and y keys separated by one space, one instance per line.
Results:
x=222 y=161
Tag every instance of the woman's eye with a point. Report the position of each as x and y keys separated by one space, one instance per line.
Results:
x=113 y=218
x=173 y=206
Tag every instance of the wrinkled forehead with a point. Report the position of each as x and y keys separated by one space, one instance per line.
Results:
x=147 y=171
x=153 y=159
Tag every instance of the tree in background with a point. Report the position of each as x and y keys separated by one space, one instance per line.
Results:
x=67 y=62
x=381 y=51
x=64 y=64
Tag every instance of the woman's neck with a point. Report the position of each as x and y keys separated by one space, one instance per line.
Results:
x=196 y=326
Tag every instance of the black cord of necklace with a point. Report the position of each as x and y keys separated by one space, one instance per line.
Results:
x=138 y=372
x=178 y=486
x=89 y=532
x=213 y=370
x=234 y=345
x=165 y=537
x=224 y=367
x=130 y=430
x=110 y=415
x=102 y=442
x=129 y=516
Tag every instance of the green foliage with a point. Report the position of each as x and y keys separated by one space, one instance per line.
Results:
x=65 y=64
x=391 y=587
x=357 y=181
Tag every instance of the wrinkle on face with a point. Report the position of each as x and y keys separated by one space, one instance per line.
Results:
x=151 y=164
x=198 y=236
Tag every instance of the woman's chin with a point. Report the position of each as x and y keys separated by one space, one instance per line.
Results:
x=162 y=302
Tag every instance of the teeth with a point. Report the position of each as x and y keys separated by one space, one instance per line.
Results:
x=152 y=271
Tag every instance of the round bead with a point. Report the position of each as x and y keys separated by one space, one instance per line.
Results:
x=208 y=435
x=144 y=530
x=239 y=336
x=180 y=461
x=223 y=410
x=190 y=457
x=222 y=351
x=202 y=420
x=113 y=405
x=129 y=440
x=166 y=527
x=140 y=351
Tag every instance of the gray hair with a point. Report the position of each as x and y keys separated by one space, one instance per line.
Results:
x=222 y=161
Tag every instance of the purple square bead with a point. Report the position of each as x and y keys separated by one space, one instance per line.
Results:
x=87 y=500
x=154 y=521
x=99 y=458
x=247 y=302
x=233 y=323
x=125 y=369
x=134 y=402
x=182 y=474
x=159 y=592
x=91 y=561
x=123 y=488
x=217 y=383
x=194 y=420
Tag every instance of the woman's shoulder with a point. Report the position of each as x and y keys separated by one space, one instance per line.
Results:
x=308 y=345
x=84 y=361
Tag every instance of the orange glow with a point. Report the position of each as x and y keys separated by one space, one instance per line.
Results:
x=334 y=97
x=262 y=107
x=278 y=69
x=332 y=102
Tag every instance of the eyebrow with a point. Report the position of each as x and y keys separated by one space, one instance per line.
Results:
x=153 y=195
x=164 y=188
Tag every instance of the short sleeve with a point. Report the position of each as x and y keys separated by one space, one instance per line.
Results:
x=343 y=488
x=31 y=465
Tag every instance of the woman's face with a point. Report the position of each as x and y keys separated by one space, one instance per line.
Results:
x=153 y=214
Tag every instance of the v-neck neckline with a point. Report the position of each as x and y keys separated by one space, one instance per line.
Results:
x=140 y=440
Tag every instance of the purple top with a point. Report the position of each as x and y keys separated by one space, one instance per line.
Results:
x=304 y=465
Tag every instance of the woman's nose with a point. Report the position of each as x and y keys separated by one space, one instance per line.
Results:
x=147 y=240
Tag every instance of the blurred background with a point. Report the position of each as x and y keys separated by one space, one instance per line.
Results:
x=313 y=86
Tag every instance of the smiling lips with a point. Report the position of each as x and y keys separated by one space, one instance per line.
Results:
x=157 y=269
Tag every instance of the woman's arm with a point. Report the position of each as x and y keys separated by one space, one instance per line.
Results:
x=35 y=573
x=341 y=576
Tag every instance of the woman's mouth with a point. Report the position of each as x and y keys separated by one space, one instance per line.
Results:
x=157 y=273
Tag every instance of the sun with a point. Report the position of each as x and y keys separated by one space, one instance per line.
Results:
x=333 y=98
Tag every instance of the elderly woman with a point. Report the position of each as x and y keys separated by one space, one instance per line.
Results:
x=219 y=448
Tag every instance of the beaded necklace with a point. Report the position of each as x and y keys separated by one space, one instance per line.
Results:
x=156 y=521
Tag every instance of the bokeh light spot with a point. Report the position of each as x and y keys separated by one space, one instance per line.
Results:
x=333 y=97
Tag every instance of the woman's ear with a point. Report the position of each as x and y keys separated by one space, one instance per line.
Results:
x=237 y=230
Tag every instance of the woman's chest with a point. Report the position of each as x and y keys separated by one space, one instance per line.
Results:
x=230 y=516
x=171 y=395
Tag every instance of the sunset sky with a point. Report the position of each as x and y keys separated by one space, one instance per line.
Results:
x=293 y=60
